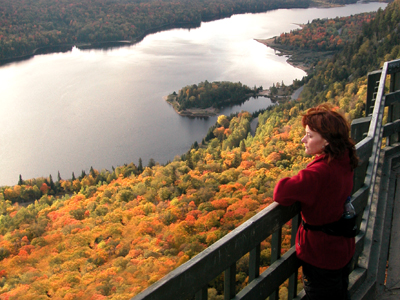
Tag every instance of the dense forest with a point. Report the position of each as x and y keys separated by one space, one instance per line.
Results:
x=326 y=34
x=26 y=25
x=215 y=94
x=110 y=234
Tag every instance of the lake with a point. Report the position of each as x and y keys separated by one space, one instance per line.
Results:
x=69 y=111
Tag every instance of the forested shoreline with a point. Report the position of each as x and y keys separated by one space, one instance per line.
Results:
x=206 y=98
x=110 y=234
x=318 y=40
x=29 y=25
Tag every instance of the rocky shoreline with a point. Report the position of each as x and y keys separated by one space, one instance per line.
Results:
x=302 y=59
x=199 y=112
x=203 y=112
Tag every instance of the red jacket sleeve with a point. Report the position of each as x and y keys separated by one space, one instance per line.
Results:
x=303 y=187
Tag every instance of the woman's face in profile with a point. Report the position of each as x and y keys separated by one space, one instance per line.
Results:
x=313 y=142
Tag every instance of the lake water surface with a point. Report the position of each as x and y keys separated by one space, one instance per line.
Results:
x=69 y=111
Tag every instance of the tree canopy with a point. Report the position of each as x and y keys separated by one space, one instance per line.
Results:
x=110 y=234
x=215 y=94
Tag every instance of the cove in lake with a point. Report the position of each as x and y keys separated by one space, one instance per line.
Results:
x=104 y=107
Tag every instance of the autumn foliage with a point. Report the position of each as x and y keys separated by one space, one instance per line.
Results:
x=327 y=34
x=110 y=234
x=111 y=240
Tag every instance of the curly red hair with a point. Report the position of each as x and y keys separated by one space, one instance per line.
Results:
x=334 y=128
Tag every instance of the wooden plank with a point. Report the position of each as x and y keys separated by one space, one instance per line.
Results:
x=356 y=279
x=360 y=199
x=392 y=150
x=364 y=149
x=254 y=263
x=364 y=152
x=393 y=66
x=373 y=78
x=292 y=289
x=391 y=128
x=359 y=176
x=229 y=282
x=393 y=275
x=391 y=98
x=393 y=111
x=270 y=280
x=276 y=246
x=359 y=244
x=394 y=108
x=202 y=294
x=359 y=128
x=276 y=243
x=377 y=115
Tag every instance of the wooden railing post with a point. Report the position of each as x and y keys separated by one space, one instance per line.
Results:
x=373 y=81
x=254 y=263
x=230 y=282
x=292 y=290
x=276 y=246
x=359 y=128
x=394 y=108
x=202 y=294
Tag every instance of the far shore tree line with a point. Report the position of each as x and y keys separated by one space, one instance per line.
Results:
x=28 y=25
x=29 y=190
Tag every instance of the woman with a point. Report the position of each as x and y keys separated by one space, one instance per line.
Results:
x=322 y=189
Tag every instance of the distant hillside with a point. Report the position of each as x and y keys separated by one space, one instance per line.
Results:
x=110 y=234
x=26 y=25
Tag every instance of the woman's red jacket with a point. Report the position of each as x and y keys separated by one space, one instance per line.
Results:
x=321 y=188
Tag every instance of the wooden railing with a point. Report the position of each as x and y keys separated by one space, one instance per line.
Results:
x=190 y=280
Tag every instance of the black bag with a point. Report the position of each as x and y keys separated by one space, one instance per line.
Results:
x=342 y=227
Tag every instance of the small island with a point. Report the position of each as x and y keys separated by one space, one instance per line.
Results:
x=205 y=99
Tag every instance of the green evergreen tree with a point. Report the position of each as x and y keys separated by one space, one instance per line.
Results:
x=151 y=163
x=83 y=174
x=20 y=181
x=242 y=146
x=92 y=172
x=189 y=161
x=52 y=185
x=173 y=175
x=140 y=166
